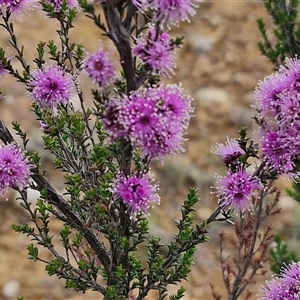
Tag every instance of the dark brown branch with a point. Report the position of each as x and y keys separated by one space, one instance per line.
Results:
x=214 y=215
x=119 y=33
x=63 y=206
x=120 y=36
x=5 y=134
x=73 y=219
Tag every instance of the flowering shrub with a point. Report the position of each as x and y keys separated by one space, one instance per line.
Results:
x=105 y=150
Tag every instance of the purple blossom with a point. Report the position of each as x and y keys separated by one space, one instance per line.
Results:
x=172 y=103
x=236 y=189
x=51 y=86
x=230 y=151
x=17 y=8
x=169 y=11
x=268 y=91
x=44 y=126
x=275 y=90
x=2 y=69
x=99 y=68
x=154 y=119
x=14 y=168
x=142 y=4
x=156 y=51
x=138 y=192
x=277 y=101
x=111 y=121
x=174 y=11
x=140 y=115
x=292 y=69
x=58 y=4
x=278 y=151
x=286 y=286
x=161 y=144
x=274 y=291
x=288 y=107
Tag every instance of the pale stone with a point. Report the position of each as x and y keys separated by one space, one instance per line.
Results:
x=212 y=95
x=11 y=289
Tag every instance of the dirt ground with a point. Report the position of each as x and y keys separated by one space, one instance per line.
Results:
x=219 y=66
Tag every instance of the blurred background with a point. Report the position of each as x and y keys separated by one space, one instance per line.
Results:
x=219 y=65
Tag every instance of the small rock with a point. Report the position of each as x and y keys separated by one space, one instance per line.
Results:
x=242 y=117
x=288 y=204
x=211 y=95
x=11 y=289
x=33 y=195
x=200 y=43
x=223 y=76
x=245 y=79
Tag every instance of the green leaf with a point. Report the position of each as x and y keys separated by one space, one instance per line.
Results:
x=33 y=252
x=294 y=192
x=179 y=294
x=54 y=267
x=280 y=255
x=66 y=231
x=78 y=240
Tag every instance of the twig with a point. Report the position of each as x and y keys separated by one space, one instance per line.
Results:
x=63 y=206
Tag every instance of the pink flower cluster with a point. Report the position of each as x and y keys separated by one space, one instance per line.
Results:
x=286 y=286
x=99 y=68
x=137 y=192
x=17 y=8
x=58 y=4
x=156 y=51
x=236 y=188
x=14 y=168
x=230 y=152
x=169 y=11
x=154 y=119
x=51 y=86
x=278 y=104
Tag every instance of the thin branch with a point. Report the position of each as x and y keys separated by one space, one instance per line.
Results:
x=63 y=206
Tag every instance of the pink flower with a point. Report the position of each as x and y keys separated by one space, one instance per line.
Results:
x=286 y=286
x=170 y=12
x=277 y=102
x=267 y=92
x=99 y=68
x=236 y=189
x=17 y=8
x=280 y=149
x=51 y=86
x=154 y=119
x=174 y=11
x=137 y=192
x=58 y=4
x=230 y=151
x=14 y=168
x=156 y=51
x=2 y=69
